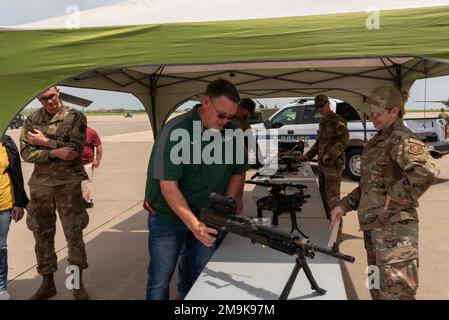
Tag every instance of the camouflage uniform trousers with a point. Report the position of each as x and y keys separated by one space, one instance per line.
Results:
x=329 y=180
x=394 y=249
x=41 y=220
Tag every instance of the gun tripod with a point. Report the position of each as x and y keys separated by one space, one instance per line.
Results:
x=279 y=203
x=217 y=216
x=277 y=213
x=301 y=263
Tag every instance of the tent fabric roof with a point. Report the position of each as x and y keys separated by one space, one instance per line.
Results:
x=163 y=65
x=168 y=11
x=347 y=79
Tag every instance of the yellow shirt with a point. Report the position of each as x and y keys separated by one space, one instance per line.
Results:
x=6 y=191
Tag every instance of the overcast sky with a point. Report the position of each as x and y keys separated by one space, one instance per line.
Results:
x=13 y=12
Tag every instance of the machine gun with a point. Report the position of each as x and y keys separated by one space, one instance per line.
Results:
x=287 y=164
x=278 y=201
x=214 y=217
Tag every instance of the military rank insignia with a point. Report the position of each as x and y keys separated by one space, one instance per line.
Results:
x=416 y=147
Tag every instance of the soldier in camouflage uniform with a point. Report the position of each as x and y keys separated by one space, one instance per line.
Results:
x=396 y=170
x=53 y=139
x=444 y=115
x=403 y=111
x=330 y=145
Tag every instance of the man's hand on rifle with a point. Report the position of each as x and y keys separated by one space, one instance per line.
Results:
x=336 y=215
x=203 y=233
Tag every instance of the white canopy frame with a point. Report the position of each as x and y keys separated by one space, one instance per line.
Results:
x=162 y=89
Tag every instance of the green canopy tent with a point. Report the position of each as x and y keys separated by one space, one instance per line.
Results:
x=166 y=64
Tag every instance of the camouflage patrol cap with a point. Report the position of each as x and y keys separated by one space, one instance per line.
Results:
x=320 y=100
x=381 y=98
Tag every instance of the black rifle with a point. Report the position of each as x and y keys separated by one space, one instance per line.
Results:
x=278 y=201
x=287 y=163
x=216 y=216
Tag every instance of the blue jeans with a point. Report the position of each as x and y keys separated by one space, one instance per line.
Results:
x=166 y=242
x=5 y=220
x=184 y=277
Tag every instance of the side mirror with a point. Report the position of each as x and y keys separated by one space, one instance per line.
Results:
x=267 y=124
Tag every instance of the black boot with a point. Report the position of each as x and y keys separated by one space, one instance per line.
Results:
x=81 y=293
x=46 y=290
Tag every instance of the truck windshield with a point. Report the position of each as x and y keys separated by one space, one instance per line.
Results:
x=347 y=111
x=286 y=116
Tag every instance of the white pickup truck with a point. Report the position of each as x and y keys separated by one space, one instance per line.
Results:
x=300 y=120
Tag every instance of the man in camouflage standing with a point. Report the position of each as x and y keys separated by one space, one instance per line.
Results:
x=403 y=111
x=330 y=145
x=444 y=115
x=396 y=170
x=53 y=139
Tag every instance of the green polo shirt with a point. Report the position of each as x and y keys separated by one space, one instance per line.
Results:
x=177 y=156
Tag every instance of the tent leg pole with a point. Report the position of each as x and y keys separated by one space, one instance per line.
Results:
x=153 y=82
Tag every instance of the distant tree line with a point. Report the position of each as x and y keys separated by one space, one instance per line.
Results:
x=119 y=110
x=30 y=110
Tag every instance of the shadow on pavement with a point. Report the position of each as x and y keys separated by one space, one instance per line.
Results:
x=440 y=180
x=351 y=292
x=118 y=261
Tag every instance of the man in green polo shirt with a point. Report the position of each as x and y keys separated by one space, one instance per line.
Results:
x=184 y=168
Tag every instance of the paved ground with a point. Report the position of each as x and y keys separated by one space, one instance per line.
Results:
x=116 y=237
x=422 y=114
x=433 y=242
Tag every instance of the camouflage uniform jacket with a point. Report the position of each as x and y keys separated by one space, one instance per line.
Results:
x=333 y=138
x=396 y=163
x=240 y=123
x=445 y=116
x=67 y=128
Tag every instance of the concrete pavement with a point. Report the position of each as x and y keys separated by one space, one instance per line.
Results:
x=116 y=237
x=433 y=242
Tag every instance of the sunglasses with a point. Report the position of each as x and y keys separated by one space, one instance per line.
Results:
x=47 y=98
x=220 y=114
x=375 y=112
x=375 y=108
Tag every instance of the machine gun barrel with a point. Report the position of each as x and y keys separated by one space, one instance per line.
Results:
x=273 y=238
x=216 y=216
x=333 y=253
x=271 y=184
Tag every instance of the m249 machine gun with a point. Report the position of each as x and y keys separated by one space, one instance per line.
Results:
x=217 y=216
x=288 y=159
x=278 y=201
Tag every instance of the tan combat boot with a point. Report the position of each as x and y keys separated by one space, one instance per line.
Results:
x=46 y=290
x=81 y=293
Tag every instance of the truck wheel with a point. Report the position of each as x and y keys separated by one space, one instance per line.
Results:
x=353 y=164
